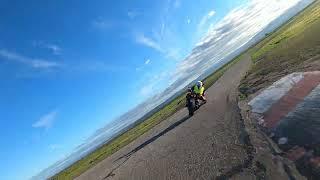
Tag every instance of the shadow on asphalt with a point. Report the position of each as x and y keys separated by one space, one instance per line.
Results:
x=174 y=125
x=128 y=155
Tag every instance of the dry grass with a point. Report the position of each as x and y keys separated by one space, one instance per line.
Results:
x=293 y=48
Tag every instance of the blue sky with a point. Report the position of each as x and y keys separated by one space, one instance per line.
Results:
x=69 y=67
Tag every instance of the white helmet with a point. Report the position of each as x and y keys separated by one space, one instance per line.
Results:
x=199 y=84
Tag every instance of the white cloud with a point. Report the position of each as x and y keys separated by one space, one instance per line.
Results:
x=152 y=82
x=46 y=121
x=211 y=13
x=33 y=62
x=173 y=53
x=132 y=14
x=147 y=89
x=234 y=31
x=205 y=20
x=240 y=26
x=163 y=37
x=163 y=41
x=249 y=19
x=147 y=61
x=47 y=66
x=55 y=49
x=149 y=42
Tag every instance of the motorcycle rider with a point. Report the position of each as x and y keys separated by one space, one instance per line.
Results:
x=199 y=91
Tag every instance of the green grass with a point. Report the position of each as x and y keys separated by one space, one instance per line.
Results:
x=292 y=29
x=108 y=149
x=294 y=47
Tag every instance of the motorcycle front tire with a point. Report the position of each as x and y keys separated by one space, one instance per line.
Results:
x=191 y=108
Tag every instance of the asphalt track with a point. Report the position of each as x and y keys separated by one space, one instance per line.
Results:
x=205 y=146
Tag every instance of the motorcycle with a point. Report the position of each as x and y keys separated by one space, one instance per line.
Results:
x=192 y=103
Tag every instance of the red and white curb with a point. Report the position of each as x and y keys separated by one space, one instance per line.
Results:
x=288 y=103
x=283 y=96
